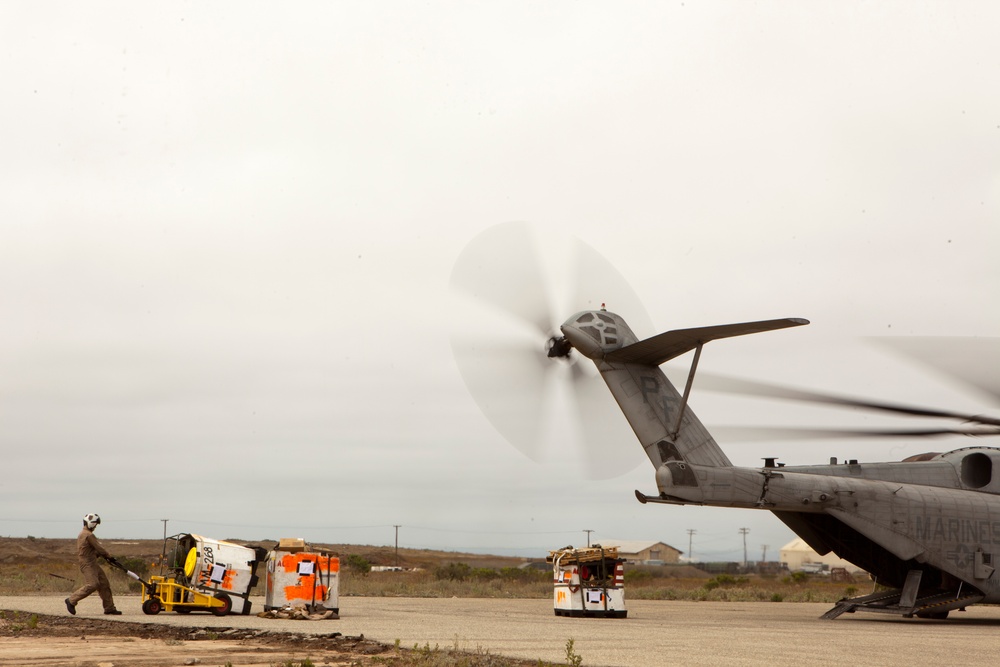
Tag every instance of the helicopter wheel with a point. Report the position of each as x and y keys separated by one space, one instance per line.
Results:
x=936 y=616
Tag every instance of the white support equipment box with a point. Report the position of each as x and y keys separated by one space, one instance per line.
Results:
x=302 y=578
x=221 y=567
x=588 y=582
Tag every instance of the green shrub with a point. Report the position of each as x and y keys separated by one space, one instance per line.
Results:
x=453 y=572
x=572 y=657
x=523 y=574
x=482 y=574
x=137 y=565
x=637 y=576
x=358 y=564
x=725 y=581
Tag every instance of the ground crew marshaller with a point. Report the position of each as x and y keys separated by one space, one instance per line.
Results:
x=88 y=548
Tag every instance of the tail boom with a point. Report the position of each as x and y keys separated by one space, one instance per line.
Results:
x=654 y=408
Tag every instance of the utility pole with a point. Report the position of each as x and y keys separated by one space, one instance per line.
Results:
x=588 y=535
x=763 y=556
x=163 y=553
x=743 y=532
x=396 y=526
x=691 y=532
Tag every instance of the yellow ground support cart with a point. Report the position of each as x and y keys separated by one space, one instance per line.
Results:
x=588 y=582
x=165 y=594
x=202 y=574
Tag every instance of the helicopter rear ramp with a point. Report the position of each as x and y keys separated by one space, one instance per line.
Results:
x=908 y=601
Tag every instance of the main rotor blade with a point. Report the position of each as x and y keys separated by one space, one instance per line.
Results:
x=733 y=385
x=765 y=433
x=974 y=361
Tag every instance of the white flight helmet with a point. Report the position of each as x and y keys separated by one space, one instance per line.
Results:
x=91 y=521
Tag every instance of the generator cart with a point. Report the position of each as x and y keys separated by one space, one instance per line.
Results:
x=588 y=582
x=202 y=574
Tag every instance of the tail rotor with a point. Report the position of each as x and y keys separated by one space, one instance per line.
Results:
x=544 y=398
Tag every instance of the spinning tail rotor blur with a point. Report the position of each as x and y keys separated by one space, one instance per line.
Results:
x=525 y=379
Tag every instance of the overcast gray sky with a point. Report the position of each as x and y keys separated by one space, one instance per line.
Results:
x=227 y=231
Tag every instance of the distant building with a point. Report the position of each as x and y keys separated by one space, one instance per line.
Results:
x=645 y=552
x=799 y=556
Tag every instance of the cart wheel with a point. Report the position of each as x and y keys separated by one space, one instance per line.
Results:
x=227 y=605
x=152 y=606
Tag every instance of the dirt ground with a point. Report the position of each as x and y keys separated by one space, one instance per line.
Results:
x=49 y=641
x=40 y=566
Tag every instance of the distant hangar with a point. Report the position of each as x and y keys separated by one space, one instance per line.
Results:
x=644 y=552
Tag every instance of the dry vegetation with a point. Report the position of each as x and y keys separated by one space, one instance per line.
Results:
x=660 y=583
x=46 y=566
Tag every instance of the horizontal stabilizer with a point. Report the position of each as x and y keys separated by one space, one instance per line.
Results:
x=664 y=347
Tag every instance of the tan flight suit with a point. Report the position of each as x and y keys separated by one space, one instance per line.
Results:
x=88 y=548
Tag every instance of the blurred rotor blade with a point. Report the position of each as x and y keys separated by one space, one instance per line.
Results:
x=725 y=384
x=500 y=266
x=971 y=360
x=596 y=281
x=608 y=447
x=766 y=433
x=508 y=382
x=606 y=444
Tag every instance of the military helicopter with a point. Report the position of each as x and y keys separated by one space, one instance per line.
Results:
x=927 y=527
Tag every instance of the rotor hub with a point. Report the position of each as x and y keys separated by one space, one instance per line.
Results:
x=559 y=347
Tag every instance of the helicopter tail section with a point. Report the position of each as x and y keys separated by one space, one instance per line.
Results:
x=655 y=409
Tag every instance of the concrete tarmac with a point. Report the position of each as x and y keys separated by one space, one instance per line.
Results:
x=655 y=634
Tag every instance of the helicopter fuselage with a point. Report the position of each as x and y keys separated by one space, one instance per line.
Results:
x=928 y=526
x=893 y=517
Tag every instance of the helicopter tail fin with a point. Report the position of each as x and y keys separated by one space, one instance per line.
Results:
x=655 y=409
x=657 y=413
